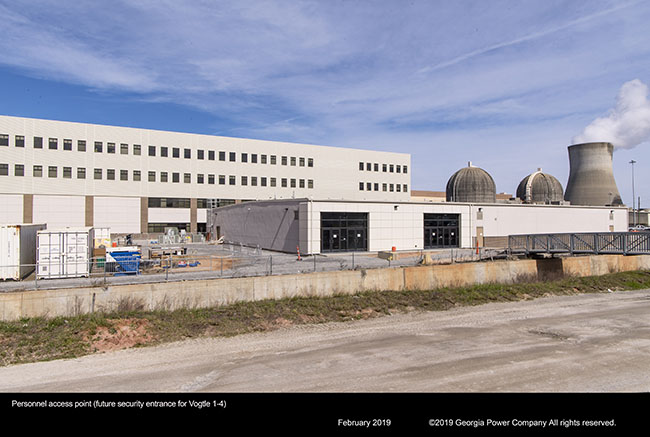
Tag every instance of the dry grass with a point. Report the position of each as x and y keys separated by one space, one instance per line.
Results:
x=40 y=339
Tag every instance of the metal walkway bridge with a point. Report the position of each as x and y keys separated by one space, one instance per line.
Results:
x=623 y=243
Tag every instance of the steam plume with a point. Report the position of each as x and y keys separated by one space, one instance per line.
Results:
x=628 y=123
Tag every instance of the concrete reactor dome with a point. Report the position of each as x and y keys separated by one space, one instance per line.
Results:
x=591 y=179
x=540 y=187
x=471 y=184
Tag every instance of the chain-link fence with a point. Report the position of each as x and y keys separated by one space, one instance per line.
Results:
x=203 y=261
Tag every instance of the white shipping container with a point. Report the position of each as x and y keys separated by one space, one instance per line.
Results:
x=64 y=253
x=18 y=250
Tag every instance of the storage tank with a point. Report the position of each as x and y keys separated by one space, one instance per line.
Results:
x=18 y=250
x=64 y=253
x=539 y=187
x=471 y=184
x=591 y=178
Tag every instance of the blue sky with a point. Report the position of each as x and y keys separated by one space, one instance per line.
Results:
x=504 y=84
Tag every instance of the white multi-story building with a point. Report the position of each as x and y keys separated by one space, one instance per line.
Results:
x=141 y=181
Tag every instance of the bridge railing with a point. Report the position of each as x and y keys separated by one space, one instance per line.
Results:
x=625 y=243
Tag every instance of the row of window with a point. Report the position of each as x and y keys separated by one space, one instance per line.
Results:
x=176 y=202
x=163 y=176
x=374 y=186
x=163 y=151
x=386 y=168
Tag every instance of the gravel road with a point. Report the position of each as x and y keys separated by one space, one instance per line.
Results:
x=584 y=343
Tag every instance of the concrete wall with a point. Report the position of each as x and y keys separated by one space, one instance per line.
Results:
x=215 y=292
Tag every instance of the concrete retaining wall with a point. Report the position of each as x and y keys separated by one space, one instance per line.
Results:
x=215 y=292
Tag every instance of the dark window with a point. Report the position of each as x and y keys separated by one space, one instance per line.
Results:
x=398 y=168
x=244 y=180
x=124 y=149
x=301 y=183
x=176 y=177
x=4 y=169
x=274 y=159
x=137 y=149
x=51 y=171
x=164 y=151
x=38 y=142
x=211 y=155
x=263 y=159
x=293 y=161
x=310 y=183
x=376 y=187
x=124 y=175
x=441 y=230
x=199 y=178
x=384 y=168
x=53 y=144
x=187 y=178
x=368 y=166
x=110 y=147
x=301 y=162
x=310 y=162
x=159 y=228
x=406 y=188
x=163 y=176
x=19 y=170
x=81 y=146
x=81 y=173
x=98 y=173
x=211 y=179
x=98 y=146
x=187 y=153
x=232 y=180
x=368 y=186
x=360 y=186
x=222 y=156
x=254 y=181
x=4 y=140
x=152 y=150
x=361 y=167
x=391 y=168
x=244 y=157
x=254 y=158
x=222 y=179
x=152 y=176
x=284 y=182
x=176 y=152
x=293 y=183
x=38 y=171
x=67 y=144
x=200 y=154
x=67 y=172
x=376 y=167
x=110 y=174
x=169 y=202
x=263 y=181
x=233 y=156
x=20 y=141
x=405 y=169
x=344 y=231
x=273 y=182
x=137 y=175
x=284 y=160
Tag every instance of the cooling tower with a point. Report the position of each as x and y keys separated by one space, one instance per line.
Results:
x=591 y=178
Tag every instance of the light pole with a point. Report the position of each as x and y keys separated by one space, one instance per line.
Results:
x=633 y=194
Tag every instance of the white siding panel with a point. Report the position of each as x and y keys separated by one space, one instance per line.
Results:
x=121 y=214
x=12 y=209
x=169 y=215
x=60 y=211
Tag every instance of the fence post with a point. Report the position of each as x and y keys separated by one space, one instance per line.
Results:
x=352 y=260
x=270 y=265
x=314 y=262
x=221 y=267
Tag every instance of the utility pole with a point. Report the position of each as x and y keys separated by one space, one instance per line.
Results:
x=633 y=195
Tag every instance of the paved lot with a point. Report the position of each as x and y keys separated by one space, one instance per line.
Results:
x=587 y=343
